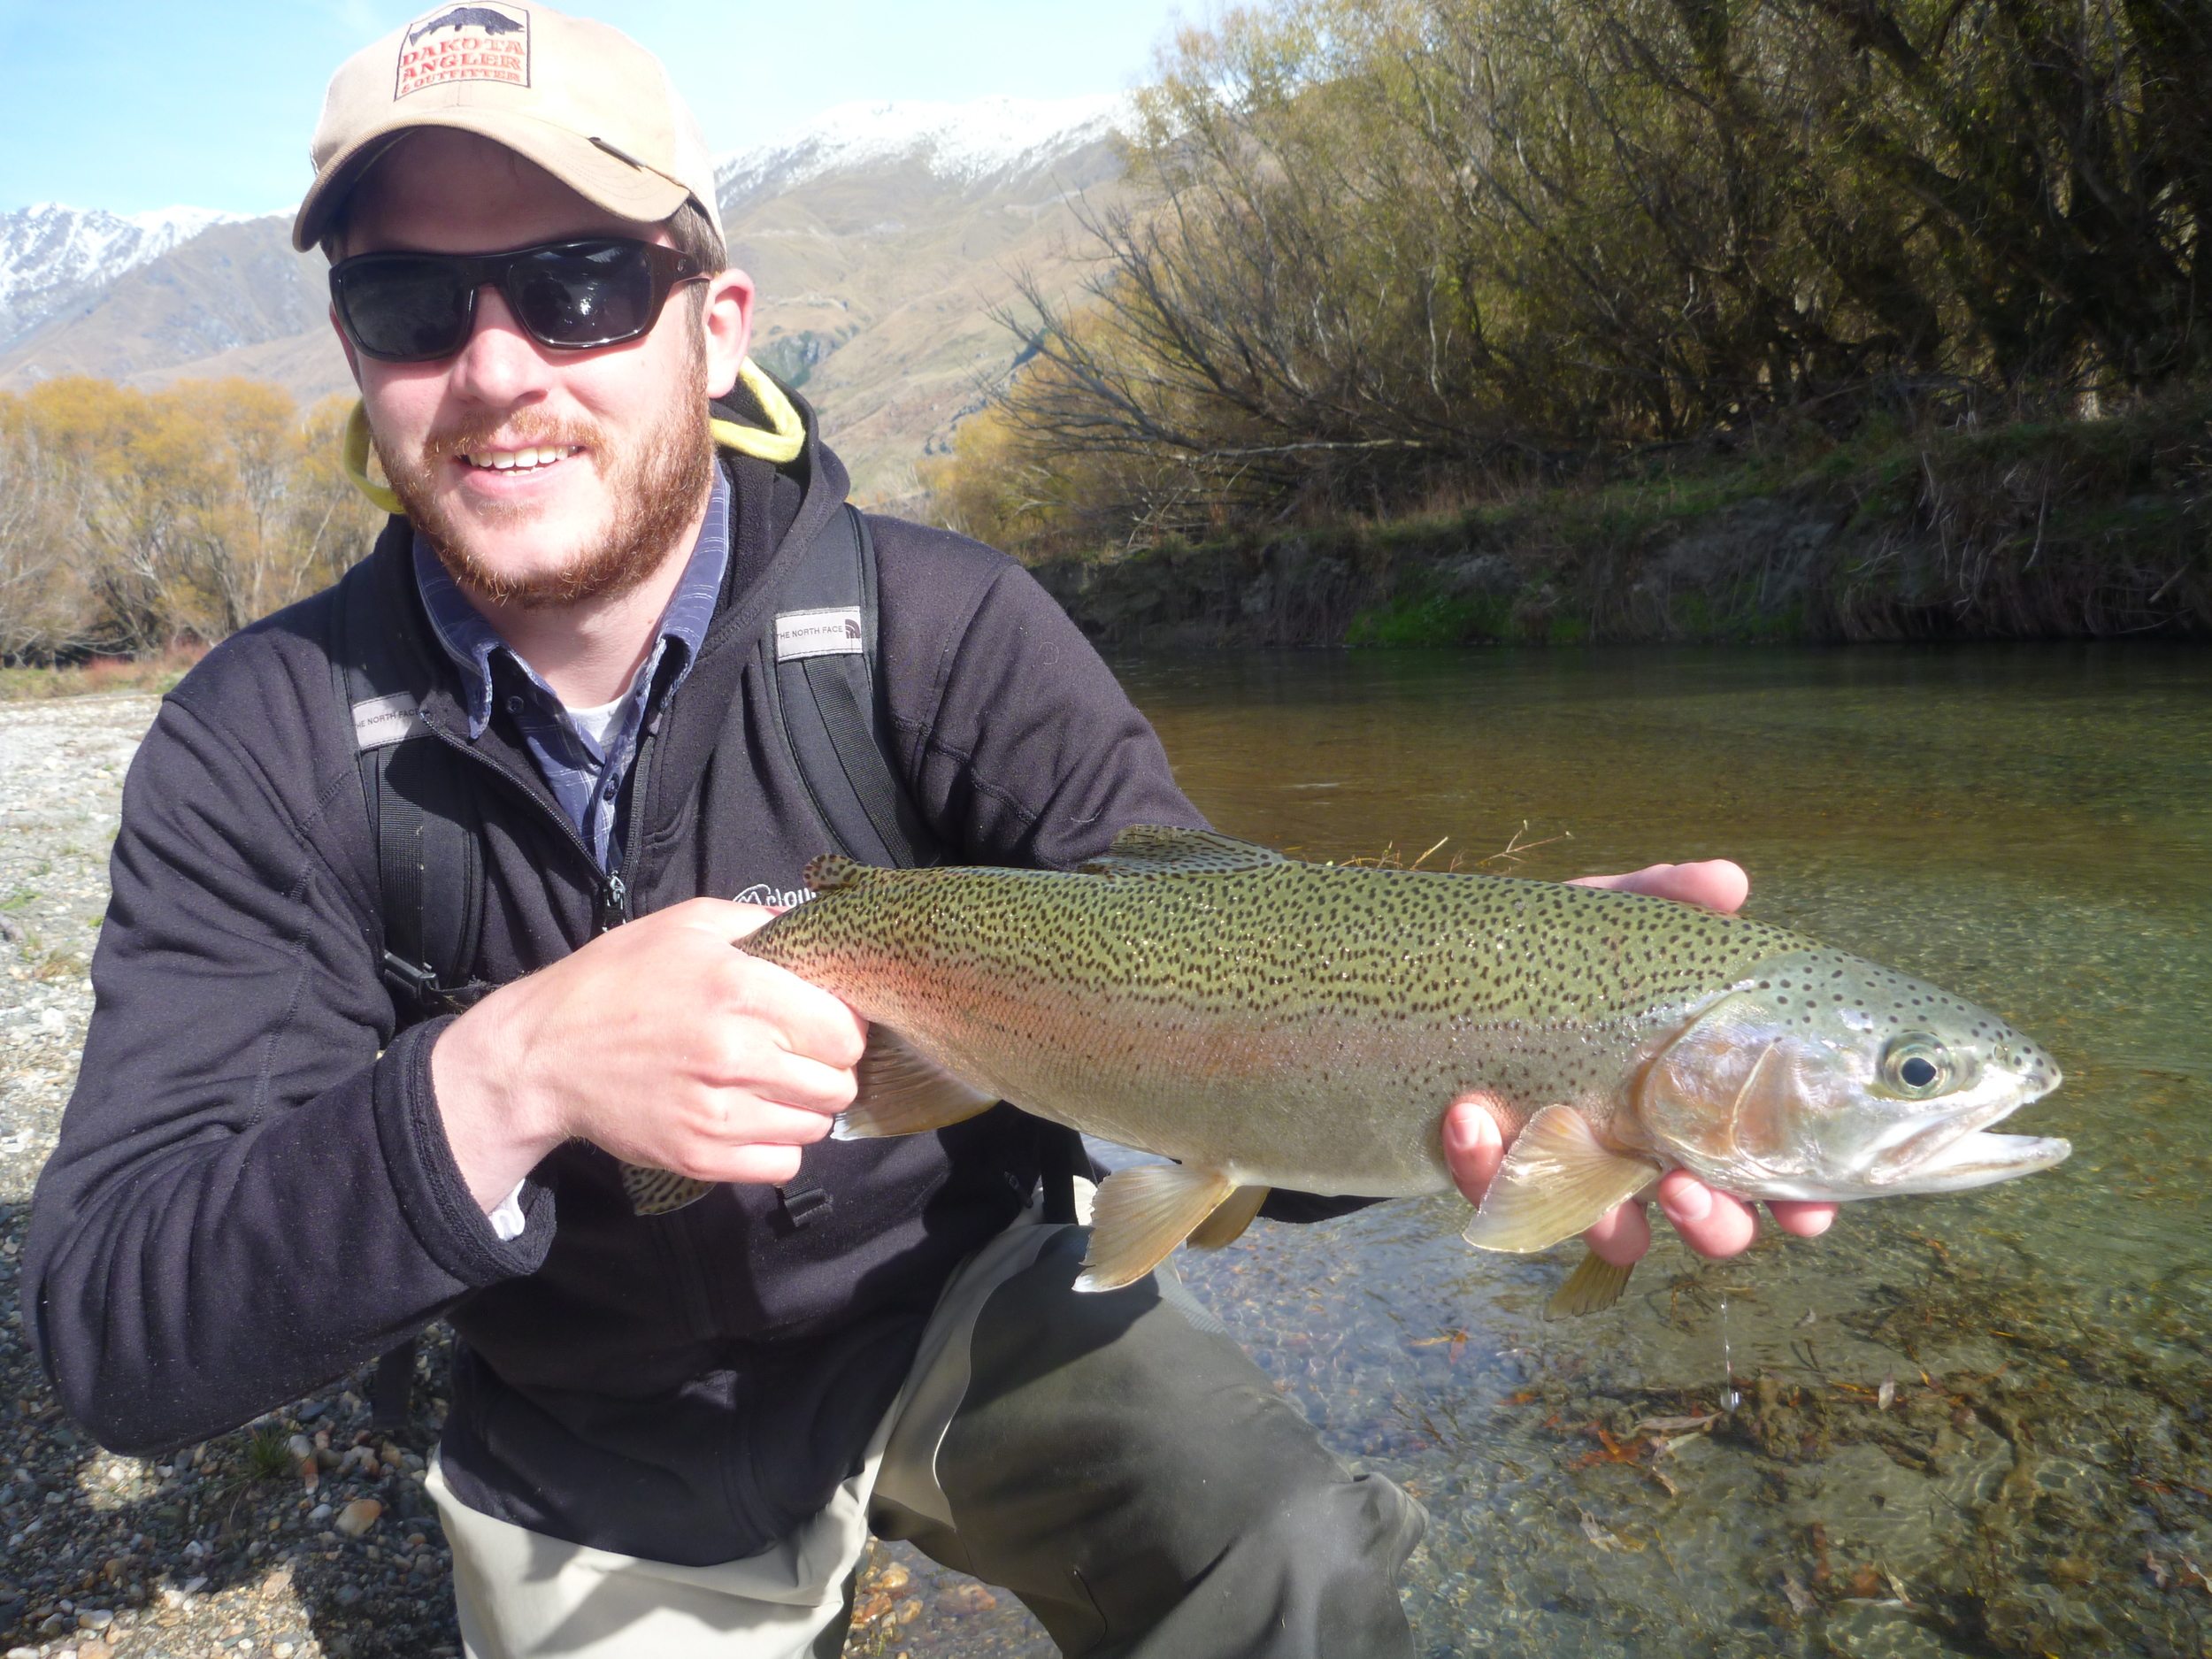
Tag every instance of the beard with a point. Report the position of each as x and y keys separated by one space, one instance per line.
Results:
x=654 y=481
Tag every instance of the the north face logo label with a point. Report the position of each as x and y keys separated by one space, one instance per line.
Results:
x=803 y=633
x=473 y=42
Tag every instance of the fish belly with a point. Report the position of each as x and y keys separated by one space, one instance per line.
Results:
x=1319 y=1105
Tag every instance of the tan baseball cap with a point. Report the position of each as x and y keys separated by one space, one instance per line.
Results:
x=582 y=100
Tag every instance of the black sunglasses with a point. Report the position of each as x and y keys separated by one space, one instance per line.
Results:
x=572 y=295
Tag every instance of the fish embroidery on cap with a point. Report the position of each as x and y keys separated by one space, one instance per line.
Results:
x=464 y=42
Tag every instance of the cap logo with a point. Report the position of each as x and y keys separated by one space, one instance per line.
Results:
x=473 y=43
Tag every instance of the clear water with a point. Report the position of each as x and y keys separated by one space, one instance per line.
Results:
x=2031 y=826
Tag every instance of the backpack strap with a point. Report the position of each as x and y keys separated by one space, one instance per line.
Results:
x=822 y=653
x=429 y=859
x=821 y=657
x=425 y=819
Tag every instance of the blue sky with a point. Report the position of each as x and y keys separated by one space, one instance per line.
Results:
x=127 y=105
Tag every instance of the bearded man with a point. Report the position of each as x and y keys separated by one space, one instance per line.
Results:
x=670 y=1433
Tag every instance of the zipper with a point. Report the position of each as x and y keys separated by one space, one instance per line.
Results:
x=610 y=907
x=613 y=907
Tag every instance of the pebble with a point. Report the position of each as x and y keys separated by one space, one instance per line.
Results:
x=357 y=1517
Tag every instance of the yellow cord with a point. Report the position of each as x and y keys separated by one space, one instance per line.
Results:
x=353 y=455
x=785 y=434
x=781 y=440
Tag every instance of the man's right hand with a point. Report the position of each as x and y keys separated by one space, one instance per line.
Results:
x=658 y=1041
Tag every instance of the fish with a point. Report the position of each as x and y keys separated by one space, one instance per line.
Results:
x=1267 y=1022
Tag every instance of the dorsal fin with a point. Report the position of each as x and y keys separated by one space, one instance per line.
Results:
x=1153 y=850
x=831 y=870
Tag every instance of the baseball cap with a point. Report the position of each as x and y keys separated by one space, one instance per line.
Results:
x=581 y=99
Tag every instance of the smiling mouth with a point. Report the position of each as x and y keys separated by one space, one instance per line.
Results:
x=529 y=460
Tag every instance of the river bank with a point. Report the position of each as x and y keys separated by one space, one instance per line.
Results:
x=2078 y=529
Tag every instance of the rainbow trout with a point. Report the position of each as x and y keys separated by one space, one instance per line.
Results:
x=1267 y=1022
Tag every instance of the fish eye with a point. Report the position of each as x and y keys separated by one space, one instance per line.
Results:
x=1916 y=1065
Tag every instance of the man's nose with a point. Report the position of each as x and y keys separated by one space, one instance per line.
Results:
x=499 y=361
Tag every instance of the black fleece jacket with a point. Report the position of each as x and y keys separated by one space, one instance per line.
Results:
x=253 y=1193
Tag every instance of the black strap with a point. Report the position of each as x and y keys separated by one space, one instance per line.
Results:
x=422 y=813
x=429 y=858
x=823 y=681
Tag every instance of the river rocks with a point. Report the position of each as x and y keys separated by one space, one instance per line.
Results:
x=357 y=1517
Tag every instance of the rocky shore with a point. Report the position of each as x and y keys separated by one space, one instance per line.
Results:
x=305 y=1533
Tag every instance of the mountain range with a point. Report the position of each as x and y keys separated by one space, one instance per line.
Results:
x=881 y=238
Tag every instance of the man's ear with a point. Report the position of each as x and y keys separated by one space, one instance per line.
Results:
x=353 y=360
x=726 y=323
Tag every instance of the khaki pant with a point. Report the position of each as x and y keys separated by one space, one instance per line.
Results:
x=1115 y=1460
x=523 y=1595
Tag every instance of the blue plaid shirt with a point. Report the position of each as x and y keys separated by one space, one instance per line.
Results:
x=585 y=780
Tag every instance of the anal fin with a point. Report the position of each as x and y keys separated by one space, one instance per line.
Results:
x=659 y=1193
x=1140 y=1215
x=1227 y=1223
x=1558 y=1179
x=902 y=1093
x=1594 y=1286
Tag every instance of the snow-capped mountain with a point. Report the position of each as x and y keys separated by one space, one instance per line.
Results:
x=962 y=142
x=50 y=254
x=883 y=239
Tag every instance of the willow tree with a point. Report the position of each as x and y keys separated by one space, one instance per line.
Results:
x=1375 y=244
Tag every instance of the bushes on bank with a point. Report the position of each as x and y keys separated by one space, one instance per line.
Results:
x=1380 y=247
x=133 y=523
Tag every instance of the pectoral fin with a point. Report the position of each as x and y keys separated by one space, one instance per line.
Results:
x=1593 y=1287
x=1558 y=1179
x=658 y=1192
x=1139 y=1216
x=901 y=1093
x=1227 y=1223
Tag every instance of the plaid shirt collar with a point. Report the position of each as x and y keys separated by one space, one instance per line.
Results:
x=471 y=643
x=586 y=778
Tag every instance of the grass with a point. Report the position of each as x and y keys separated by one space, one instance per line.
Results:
x=2028 y=529
x=151 y=674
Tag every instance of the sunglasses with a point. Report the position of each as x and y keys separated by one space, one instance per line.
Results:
x=570 y=295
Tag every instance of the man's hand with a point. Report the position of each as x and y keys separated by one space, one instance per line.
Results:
x=658 y=1041
x=1713 y=1224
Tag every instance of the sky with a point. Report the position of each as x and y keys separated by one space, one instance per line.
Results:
x=129 y=105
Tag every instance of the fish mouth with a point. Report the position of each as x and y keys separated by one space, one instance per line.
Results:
x=1958 y=1152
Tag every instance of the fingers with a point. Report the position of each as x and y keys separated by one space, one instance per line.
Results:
x=1718 y=884
x=1474 y=1146
x=1804 y=1220
x=1622 y=1236
x=1712 y=1224
x=721 y=918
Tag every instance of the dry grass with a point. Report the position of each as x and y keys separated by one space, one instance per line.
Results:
x=100 y=674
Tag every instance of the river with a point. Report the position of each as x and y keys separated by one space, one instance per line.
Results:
x=1971 y=1425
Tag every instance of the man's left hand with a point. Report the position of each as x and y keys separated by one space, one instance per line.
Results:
x=1713 y=1224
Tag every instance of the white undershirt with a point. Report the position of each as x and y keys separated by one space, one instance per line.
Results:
x=507 y=1220
x=598 y=724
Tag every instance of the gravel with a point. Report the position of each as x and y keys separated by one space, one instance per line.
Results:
x=227 y=1548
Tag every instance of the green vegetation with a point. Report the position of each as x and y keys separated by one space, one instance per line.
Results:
x=2025 y=530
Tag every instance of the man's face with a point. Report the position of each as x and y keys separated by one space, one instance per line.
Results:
x=542 y=477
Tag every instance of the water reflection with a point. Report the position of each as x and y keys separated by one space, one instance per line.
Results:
x=2030 y=827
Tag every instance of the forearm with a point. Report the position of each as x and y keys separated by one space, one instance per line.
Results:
x=185 y=1286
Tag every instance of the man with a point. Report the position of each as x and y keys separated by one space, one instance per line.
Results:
x=668 y=1433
